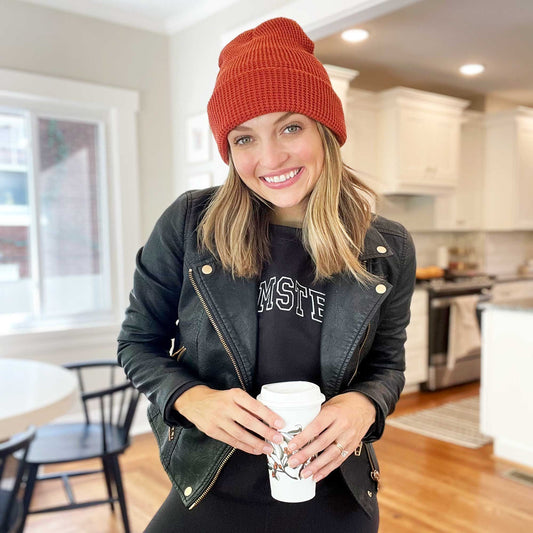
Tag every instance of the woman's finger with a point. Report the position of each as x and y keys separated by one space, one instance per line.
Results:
x=239 y=441
x=313 y=448
x=259 y=410
x=320 y=423
x=250 y=422
x=330 y=459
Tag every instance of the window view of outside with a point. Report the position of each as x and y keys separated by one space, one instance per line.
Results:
x=53 y=251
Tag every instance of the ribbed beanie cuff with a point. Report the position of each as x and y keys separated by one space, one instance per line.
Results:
x=271 y=69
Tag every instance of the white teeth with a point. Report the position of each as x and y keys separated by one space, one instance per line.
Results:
x=282 y=177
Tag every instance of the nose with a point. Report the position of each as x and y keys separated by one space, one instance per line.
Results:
x=273 y=154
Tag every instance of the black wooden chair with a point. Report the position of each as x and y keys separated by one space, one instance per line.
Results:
x=11 y=470
x=105 y=437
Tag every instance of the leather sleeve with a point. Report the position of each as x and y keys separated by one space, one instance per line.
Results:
x=150 y=322
x=380 y=375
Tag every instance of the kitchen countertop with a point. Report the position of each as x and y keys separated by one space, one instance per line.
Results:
x=506 y=278
x=519 y=304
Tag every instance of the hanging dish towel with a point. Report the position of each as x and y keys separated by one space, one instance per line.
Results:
x=464 y=336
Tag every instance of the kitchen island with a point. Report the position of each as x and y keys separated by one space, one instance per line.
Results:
x=506 y=393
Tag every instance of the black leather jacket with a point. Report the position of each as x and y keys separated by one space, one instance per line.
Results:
x=363 y=333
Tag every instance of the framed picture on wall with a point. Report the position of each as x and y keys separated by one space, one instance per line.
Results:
x=198 y=139
x=202 y=180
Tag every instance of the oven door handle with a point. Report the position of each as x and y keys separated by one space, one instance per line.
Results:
x=437 y=303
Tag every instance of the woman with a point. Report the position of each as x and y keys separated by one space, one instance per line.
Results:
x=281 y=274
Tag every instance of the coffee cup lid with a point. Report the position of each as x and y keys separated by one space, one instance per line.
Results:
x=291 y=393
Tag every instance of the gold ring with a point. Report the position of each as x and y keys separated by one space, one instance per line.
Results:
x=344 y=453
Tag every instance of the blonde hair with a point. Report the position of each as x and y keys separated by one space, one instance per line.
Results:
x=338 y=215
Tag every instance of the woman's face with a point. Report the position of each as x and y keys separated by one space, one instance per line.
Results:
x=279 y=156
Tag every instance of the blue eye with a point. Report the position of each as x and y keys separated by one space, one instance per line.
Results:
x=293 y=128
x=242 y=140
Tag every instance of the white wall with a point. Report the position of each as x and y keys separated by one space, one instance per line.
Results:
x=45 y=41
x=194 y=66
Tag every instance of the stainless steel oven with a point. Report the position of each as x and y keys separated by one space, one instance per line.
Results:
x=441 y=294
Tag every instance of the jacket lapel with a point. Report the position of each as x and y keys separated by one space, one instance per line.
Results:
x=232 y=302
x=350 y=306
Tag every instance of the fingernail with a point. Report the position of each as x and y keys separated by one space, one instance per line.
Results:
x=318 y=477
x=278 y=439
x=306 y=474
x=293 y=462
x=267 y=449
x=291 y=446
x=279 y=423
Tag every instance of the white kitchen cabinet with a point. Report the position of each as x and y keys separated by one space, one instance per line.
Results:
x=506 y=396
x=512 y=290
x=462 y=209
x=418 y=141
x=508 y=191
x=416 y=346
x=360 y=151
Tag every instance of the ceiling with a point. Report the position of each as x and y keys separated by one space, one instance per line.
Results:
x=423 y=45
x=162 y=16
x=420 y=46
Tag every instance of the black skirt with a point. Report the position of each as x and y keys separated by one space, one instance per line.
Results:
x=240 y=502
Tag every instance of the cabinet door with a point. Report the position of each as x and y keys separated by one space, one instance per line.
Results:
x=416 y=346
x=524 y=177
x=443 y=150
x=509 y=171
x=428 y=148
x=413 y=126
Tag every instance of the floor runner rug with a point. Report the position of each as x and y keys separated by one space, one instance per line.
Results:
x=456 y=422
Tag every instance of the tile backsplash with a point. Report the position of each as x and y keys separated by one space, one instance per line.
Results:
x=505 y=251
x=496 y=252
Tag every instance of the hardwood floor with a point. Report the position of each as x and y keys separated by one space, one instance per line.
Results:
x=428 y=486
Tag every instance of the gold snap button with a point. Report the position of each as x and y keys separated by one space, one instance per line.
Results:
x=380 y=289
x=381 y=249
x=188 y=491
x=207 y=269
x=369 y=493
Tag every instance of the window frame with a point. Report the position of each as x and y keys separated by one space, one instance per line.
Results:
x=117 y=110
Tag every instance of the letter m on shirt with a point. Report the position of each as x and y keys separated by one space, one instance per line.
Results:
x=265 y=301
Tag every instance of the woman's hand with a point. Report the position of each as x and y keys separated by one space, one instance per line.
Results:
x=343 y=420
x=231 y=416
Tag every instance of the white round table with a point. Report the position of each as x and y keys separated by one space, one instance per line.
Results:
x=32 y=393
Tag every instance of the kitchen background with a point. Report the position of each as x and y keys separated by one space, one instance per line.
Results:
x=136 y=77
x=155 y=63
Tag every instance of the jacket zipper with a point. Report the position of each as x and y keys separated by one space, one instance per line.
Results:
x=213 y=481
x=359 y=354
x=374 y=474
x=217 y=329
x=241 y=381
x=178 y=354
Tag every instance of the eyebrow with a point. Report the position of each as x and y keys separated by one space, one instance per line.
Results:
x=280 y=119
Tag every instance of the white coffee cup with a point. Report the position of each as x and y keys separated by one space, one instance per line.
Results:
x=298 y=403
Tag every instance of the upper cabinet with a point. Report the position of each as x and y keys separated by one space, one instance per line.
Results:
x=508 y=190
x=418 y=141
x=401 y=141
x=496 y=174
x=436 y=165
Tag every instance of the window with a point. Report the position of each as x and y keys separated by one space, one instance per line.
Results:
x=69 y=216
x=53 y=253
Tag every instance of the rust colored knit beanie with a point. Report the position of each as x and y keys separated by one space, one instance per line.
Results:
x=271 y=69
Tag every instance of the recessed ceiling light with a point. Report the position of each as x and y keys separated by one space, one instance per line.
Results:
x=472 y=69
x=355 y=35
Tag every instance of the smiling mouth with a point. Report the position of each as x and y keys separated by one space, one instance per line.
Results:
x=283 y=177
